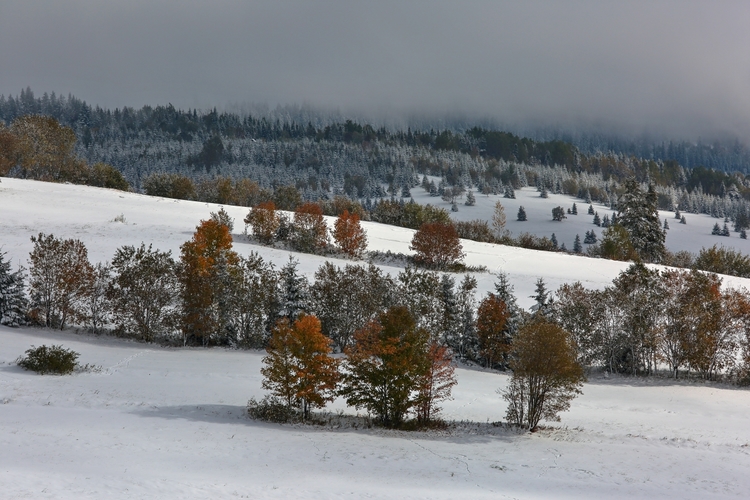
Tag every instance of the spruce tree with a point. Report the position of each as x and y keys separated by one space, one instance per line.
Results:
x=639 y=216
x=574 y=211
x=294 y=291
x=12 y=296
x=554 y=241
x=597 y=220
x=521 y=214
x=577 y=247
x=470 y=199
x=591 y=210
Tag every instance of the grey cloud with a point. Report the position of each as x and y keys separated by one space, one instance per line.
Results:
x=676 y=67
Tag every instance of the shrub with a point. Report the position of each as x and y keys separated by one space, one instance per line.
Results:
x=271 y=409
x=54 y=359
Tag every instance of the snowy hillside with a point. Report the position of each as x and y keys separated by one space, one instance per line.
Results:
x=692 y=236
x=169 y=423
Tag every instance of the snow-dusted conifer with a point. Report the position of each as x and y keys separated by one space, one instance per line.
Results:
x=12 y=294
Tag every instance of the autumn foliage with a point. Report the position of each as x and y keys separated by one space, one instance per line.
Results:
x=436 y=383
x=204 y=259
x=264 y=221
x=494 y=341
x=385 y=366
x=349 y=235
x=437 y=245
x=298 y=367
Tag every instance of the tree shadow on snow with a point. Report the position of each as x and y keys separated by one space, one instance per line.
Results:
x=458 y=432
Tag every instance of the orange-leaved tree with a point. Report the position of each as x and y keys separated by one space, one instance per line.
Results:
x=349 y=235
x=265 y=221
x=436 y=383
x=206 y=262
x=493 y=336
x=298 y=367
x=437 y=245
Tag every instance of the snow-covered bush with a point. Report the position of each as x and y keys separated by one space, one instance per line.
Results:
x=54 y=359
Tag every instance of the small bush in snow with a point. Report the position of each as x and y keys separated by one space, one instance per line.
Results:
x=54 y=359
x=271 y=409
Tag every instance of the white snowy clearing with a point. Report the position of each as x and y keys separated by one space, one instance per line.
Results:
x=170 y=423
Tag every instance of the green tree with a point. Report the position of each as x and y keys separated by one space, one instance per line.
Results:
x=546 y=376
x=143 y=291
x=386 y=366
x=638 y=215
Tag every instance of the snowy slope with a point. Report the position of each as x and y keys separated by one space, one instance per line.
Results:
x=693 y=236
x=169 y=423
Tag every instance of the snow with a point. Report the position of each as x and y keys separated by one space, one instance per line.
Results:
x=169 y=423
x=692 y=236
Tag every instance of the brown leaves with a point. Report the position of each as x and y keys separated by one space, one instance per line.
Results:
x=437 y=245
x=349 y=235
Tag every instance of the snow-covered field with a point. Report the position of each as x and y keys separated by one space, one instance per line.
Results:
x=692 y=236
x=169 y=423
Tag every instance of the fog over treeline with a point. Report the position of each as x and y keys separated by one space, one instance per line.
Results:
x=671 y=70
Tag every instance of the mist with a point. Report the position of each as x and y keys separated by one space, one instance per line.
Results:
x=678 y=69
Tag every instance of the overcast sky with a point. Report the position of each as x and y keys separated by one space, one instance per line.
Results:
x=680 y=67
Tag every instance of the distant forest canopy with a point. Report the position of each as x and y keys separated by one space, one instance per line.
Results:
x=329 y=157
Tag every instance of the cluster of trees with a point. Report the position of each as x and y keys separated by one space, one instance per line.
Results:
x=392 y=368
x=646 y=319
x=38 y=147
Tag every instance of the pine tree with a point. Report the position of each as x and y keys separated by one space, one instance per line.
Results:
x=543 y=191
x=677 y=214
x=666 y=225
x=13 y=301
x=509 y=192
x=590 y=238
x=521 y=214
x=639 y=216
x=682 y=220
x=716 y=231
x=470 y=199
x=554 y=241
x=574 y=211
x=451 y=321
x=725 y=230
x=597 y=220
x=577 y=247
x=541 y=297
x=605 y=221
x=591 y=210
x=294 y=291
